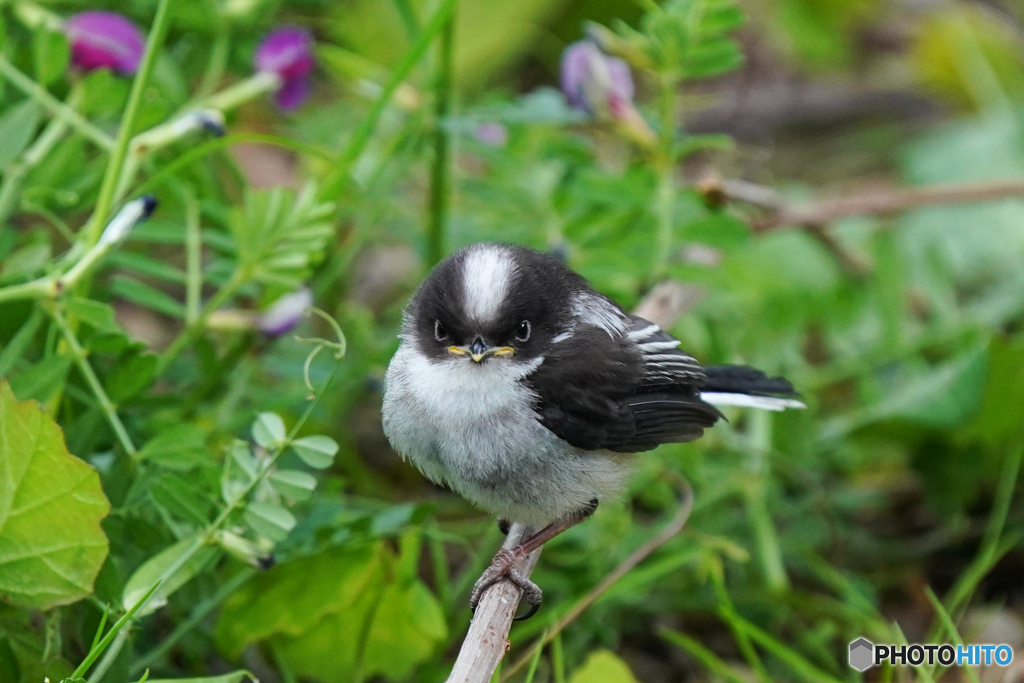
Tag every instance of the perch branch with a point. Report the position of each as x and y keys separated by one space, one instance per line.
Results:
x=487 y=639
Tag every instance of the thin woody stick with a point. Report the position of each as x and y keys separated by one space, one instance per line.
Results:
x=782 y=215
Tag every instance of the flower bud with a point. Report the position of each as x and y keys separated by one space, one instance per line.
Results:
x=130 y=214
x=288 y=52
x=593 y=81
x=244 y=549
x=104 y=39
x=285 y=313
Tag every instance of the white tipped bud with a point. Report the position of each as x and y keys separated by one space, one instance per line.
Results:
x=126 y=219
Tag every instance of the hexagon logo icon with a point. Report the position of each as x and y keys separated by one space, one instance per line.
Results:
x=862 y=654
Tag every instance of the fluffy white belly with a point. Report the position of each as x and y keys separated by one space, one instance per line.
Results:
x=472 y=427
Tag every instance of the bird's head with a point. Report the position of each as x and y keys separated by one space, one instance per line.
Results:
x=490 y=303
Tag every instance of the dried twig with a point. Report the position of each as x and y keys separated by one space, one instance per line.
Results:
x=783 y=215
x=487 y=639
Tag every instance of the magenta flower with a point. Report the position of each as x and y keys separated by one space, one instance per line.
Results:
x=288 y=52
x=104 y=39
x=595 y=82
x=286 y=312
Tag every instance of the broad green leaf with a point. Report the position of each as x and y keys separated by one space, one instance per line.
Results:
x=233 y=677
x=17 y=126
x=242 y=456
x=293 y=599
x=271 y=521
x=51 y=504
x=179 y=448
x=407 y=627
x=603 y=666
x=293 y=484
x=268 y=430
x=316 y=451
x=187 y=558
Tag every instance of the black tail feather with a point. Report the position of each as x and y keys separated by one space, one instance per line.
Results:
x=742 y=379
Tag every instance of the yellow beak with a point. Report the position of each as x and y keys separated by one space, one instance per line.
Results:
x=478 y=356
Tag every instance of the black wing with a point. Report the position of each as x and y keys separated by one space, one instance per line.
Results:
x=623 y=392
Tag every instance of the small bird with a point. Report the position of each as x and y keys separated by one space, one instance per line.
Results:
x=523 y=389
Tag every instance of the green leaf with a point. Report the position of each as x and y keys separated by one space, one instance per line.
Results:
x=603 y=666
x=98 y=315
x=189 y=557
x=279 y=235
x=147 y=265
x=146 y=295
x=51 y=504
x=316 y=451
x=271 y=521
x=293 y=484
x=268 y=430
x=239 y=470
x=293 y=599
x=181 y=448
x=26 y=261
x=407 y=627
x=182 y=499
x=131 y=375
x=233 y=677
x=17 y=126
x=50 y=54
x=42 y=379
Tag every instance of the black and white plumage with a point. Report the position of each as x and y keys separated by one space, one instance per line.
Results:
x=520 y=387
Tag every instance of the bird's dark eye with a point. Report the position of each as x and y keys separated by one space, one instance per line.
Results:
x=440 y=334
x=523 y=331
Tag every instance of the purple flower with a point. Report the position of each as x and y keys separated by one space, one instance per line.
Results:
x=491 y=134
x=288 y=52
x=595 y=82
x=104 y=39
x=285 y=313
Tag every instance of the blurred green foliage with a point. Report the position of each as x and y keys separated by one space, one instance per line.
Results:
x=222 y=449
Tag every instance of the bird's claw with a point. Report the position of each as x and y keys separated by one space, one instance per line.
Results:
x=503 y=566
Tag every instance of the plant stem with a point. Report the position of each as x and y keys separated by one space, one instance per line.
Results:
x=187 y=335
x=767 y=538
x=57 y=108
x=665 y=194
x=440 y=173
x=112 y=175
x=110 y=655
x=197 y=615
x=194 y=260
x=31 y=157
x=260 y=83
x=81 y=359
x=338 y=179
